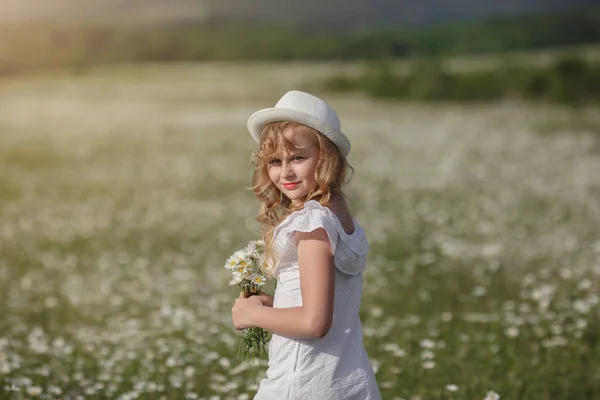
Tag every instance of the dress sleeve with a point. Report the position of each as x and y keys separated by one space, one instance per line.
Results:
x=313 y=216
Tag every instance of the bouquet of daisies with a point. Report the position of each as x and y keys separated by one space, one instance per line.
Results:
x=249 y=271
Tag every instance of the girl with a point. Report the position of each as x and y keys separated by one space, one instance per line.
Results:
x=316 y=351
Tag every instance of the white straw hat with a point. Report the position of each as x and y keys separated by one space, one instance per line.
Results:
x=305 y=109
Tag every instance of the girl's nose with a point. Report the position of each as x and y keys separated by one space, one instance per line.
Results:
x=286 y=171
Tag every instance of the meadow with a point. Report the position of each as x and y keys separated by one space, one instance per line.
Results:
x=123 y=190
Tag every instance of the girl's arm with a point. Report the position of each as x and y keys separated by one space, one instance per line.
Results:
x=317 y=283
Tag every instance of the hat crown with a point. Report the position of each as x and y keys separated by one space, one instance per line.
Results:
x=309 y=104
x=302 y=108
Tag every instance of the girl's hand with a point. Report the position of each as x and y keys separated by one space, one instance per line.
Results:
x=242 y=311
x=265 y=299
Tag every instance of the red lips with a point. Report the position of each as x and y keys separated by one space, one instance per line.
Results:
x=290 y=185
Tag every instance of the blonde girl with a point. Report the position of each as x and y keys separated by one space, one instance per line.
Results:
x=319 y=255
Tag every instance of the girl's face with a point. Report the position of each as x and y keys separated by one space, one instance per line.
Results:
x=294 y=172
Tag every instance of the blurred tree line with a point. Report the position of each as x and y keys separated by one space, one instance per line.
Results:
x=39 y=45
x=568 y=80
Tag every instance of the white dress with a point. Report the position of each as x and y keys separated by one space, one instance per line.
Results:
x=335 y=367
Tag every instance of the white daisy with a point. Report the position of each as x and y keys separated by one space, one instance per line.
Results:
x=254 y=248
x=266 y=266
x=451 y=388
x=230 y=263
x=236 y=279
x=428 y=364
x=511 y=331
x=243 y=267
x=258 y=280
x=239 y=256
x=491 y=395
x=250 y=250
x=34 y=391
x=54 y=390
x=581 y=306
x=257 y=243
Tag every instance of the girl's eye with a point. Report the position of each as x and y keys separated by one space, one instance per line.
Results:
x=298 y=158
x=274 y=161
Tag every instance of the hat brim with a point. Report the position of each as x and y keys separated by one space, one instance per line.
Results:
x=261 y=118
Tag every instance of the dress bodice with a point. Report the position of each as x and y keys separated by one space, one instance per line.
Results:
x=336 y=366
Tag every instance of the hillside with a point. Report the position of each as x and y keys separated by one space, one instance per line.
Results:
x=354 y=13
x=35 y=45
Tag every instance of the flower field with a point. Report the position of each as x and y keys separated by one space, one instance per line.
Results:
x=123 y=191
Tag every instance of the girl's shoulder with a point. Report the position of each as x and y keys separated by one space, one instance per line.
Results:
x=315 y=215
x=312 y=216
x=345 y=245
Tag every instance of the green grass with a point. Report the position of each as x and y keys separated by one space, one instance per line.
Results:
x=114 y=229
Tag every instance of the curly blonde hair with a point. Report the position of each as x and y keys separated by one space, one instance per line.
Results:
x=331 y=173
